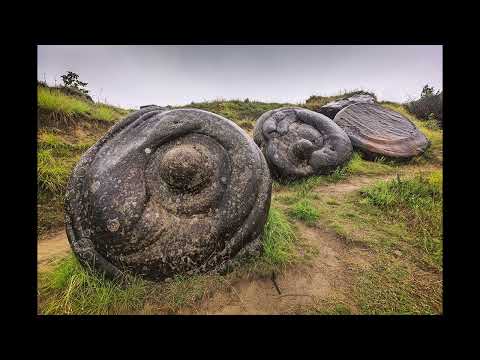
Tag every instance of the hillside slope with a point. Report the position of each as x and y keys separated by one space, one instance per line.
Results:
x=67 y=127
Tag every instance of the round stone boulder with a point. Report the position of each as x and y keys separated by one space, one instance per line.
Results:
x=298 y=143
x=168 y=192
x=377 y=131
x=332 y=108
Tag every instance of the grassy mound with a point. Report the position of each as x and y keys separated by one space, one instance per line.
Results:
x=243 y=113
x=62 y=105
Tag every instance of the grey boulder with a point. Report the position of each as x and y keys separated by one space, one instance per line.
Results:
x=298 y=143
x=377 y=131
x=168 y=192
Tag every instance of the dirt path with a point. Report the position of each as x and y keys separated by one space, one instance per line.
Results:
x=51 y=247
x=300 y=287
x=357 y=182
x=351 y=184
x=326 y=280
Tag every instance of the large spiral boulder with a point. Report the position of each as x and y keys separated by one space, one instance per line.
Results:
x=376 y=131
x=168 y=192
x=332 y=108
x=298 y=143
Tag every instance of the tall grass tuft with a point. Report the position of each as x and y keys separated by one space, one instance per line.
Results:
x=278 y=239
x=305 y=211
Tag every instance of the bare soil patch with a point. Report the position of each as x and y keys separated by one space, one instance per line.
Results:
x=54 y=246
x=327 y=277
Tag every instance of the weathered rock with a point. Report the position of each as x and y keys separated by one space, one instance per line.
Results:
x=377 y=131
x=168 y=192
x=298 y=142
x=332 y=108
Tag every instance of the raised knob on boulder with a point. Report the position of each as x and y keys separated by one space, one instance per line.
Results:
x=303 y=149
x=185 y=168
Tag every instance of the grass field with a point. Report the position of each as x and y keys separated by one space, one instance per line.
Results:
x=369 y=235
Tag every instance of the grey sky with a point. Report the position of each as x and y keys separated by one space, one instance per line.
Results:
x=130 y=76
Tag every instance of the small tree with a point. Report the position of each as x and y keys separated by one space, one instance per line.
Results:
x=428 y=91
x=70 y=80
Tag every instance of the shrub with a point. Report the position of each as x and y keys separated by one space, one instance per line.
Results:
x=429 y=106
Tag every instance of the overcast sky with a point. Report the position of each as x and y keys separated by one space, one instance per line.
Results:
x=131 y=76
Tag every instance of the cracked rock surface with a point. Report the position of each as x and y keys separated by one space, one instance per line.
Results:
x=298 y=143
x=377 y=131
x=168 y=192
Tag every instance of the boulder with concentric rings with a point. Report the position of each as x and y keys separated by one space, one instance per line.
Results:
x=298 y=143
x=168 y=192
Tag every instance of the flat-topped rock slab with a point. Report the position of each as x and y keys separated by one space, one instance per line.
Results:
x=377 y=131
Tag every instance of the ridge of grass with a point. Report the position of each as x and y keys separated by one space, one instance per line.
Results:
x=243 y=113
x=56 y=101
